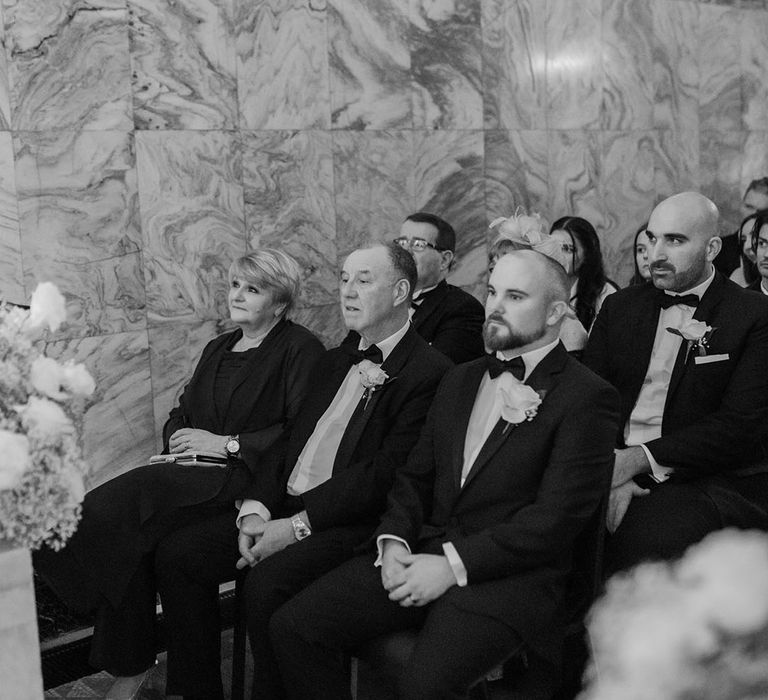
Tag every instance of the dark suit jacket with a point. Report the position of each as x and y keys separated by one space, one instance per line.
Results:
x=451 y=321
x=377 y=440
x=716 y=414
x=755 y=286
x=528 y=495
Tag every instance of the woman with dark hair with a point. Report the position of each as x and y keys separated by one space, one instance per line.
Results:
x=746 y=273
x=642 y=264
x=590 y=286
x=246 y=388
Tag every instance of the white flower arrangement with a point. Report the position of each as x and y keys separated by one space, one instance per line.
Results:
x=519 y=402
x=41 y=408
x=372 y=377
x=696 y=334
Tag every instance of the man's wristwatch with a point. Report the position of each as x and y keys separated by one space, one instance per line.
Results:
x=233 y=446
x=300 y=528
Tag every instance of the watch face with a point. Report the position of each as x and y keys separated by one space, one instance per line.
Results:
x=233 y=446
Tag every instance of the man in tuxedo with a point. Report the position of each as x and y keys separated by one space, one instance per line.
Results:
x=321 y=488
x=688 y=355
x=476 y=542
x=447 y=317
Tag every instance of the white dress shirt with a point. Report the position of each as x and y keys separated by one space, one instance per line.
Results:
x=486 y=412
x=644 y=423
x=315 y=463
x=764 y=287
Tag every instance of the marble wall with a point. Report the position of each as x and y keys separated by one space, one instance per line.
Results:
x=146 y=143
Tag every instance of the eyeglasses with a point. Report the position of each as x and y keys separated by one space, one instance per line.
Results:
x=418 y=245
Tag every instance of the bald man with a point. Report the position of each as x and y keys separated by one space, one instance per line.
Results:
x=688 y=354
x=477 y=540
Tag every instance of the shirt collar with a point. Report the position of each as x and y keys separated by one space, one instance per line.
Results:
x=764 y=287
x=698 y=290
x=530 y=358
x=388 y=344
x=421 y=292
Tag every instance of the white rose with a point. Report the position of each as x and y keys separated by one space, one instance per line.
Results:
x=694 y=330
x=46 y=376
x=48 y=307
x=77 y=379
x=15 y=461
x=519 y=402
x=44 y=418
x=371 y=375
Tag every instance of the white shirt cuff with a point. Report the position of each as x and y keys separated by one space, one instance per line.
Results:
x=249 y=507
x=380 y=546
x=457 y=566
x=660 y=473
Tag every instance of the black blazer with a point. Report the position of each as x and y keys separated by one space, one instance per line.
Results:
x=755 y=286
x=529 y=493
x=716 y=414
x=375 y=443
x=451 y=321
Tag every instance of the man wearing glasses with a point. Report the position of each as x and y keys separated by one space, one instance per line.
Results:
x=447 y=317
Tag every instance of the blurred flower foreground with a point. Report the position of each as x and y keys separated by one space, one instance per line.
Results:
x=42 y=403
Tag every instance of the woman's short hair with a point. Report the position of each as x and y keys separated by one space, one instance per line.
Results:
x=271 y=270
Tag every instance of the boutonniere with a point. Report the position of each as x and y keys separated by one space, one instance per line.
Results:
x=373 y=378
x=519 y=402
x=696 y=334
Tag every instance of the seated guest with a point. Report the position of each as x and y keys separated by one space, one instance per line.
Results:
x=688 y=356
x=760 y=247
x=320 y=491
x=589 y=285
x=523 y=231
x=477 y=539
x=755 y=200
x=246 y=387
x=642 y=266
x=447 y=317
x=746 y=273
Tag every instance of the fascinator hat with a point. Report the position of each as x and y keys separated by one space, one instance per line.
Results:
x=526 y=231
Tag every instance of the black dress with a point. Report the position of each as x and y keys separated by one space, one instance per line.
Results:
x=107 y=565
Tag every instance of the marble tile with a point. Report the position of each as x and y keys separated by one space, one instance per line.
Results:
x=516 y=172
x=373 y=185
x=677 y=162
x=627 y=41
x=675 y=64
x=628 y=187
x=118 y=429
x=288 y=189
x=325 y=322
x=514 y=65
x=719 y=68
x=192 y=221
x=282 y=57
x=183 y=64
x=174 y=351
x=11 y=272
x=370 y=64
x=722 y=158
x=573 y=65
x=754 y=63
x=446 y=64
x=574 y=160
x=69 y=64
x=5 y=85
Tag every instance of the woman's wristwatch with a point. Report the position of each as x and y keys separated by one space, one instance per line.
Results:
x=233 y=446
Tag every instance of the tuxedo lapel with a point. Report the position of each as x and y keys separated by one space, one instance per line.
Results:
x=642 y=331
x=431 y=301
x=458 y=435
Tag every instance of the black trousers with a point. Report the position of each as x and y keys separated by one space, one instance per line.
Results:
x=677 y=514
x=336 y=614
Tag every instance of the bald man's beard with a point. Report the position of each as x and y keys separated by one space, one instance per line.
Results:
x=500 y=336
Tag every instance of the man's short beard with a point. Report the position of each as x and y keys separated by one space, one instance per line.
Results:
x=496 y=339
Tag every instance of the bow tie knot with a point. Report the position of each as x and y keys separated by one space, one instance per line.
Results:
x=372 y=353
x=667 y=300
x=496 y=366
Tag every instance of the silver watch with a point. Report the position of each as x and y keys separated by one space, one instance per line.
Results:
x=300 y=529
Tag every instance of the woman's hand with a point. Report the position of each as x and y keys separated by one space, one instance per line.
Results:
x=194 y=440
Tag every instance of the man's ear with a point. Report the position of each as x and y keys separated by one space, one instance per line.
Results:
x=446 y=258
x=557 y=311
x=401 y=292
x=714 y=245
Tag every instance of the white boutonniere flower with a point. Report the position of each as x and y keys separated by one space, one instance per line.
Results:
x=372 y=377
x=519 y=402
x=696 y=334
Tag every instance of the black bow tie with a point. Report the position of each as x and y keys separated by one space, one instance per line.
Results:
x=497 y=366
x=667 y=300
x=372 y=353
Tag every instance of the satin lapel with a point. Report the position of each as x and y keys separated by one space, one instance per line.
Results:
x=704 y=311
x=462 y=413
x=643 y=334
x=432 y=301
x=393 y=365
x=542 y=379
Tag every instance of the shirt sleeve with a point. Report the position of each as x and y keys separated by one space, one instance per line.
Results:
x=659 y=472
x=457 y=566
x=380 y=546
x=249 y=507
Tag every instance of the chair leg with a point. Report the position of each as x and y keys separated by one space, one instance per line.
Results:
x=239 y=635
x=353 y=677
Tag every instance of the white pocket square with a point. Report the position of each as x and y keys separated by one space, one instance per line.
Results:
x=706 y=359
